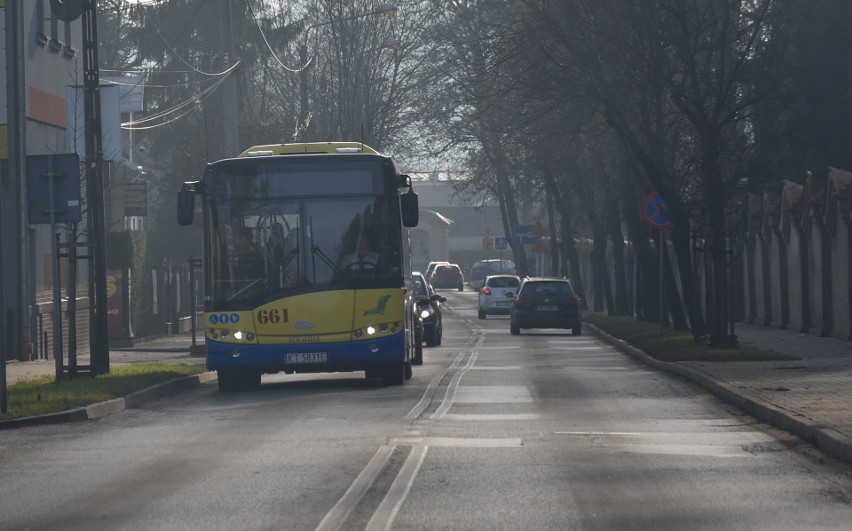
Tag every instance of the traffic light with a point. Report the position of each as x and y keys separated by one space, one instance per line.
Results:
x=66 y=10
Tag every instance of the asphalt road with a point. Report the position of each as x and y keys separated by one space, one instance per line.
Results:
x=539 y=431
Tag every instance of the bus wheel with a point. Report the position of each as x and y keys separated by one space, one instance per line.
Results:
x=394 y=374
x=231 y=380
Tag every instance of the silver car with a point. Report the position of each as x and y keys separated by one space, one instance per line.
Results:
x=496 y=294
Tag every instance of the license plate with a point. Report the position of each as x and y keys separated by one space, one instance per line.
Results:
x=503 y=303
x=306 y=357
x=548 y=308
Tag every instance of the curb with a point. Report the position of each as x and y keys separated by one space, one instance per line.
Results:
x=833 y=443
x=114 y=405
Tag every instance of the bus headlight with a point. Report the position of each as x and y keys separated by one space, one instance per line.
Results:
x=238 y=335
x=371 y=330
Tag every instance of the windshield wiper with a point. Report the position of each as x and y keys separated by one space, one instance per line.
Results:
x=318 y=252
x=248 y=287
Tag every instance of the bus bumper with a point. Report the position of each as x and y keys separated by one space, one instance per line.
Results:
x=302 y=357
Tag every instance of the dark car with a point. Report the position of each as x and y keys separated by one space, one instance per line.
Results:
x=484 y=268
x=447 y=276
x=428 y=308
x=546 y=303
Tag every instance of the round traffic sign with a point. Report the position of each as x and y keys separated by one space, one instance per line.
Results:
x=655 y=211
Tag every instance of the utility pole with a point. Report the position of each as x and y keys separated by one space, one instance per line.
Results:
x=98 y=331
x=10 y=198
x=230 y=119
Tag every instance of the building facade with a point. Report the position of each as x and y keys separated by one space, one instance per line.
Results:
x=42 y=57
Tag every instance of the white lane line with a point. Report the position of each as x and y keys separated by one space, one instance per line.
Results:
x=450 y=396
x=431 y=388
x=460 y=442
x=497 y=368
x=492 y=394
x=386 y=513
x=338 y=514
x=599 y=433
x=472 y=417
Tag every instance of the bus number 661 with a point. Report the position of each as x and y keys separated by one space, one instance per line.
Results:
x=273 y=316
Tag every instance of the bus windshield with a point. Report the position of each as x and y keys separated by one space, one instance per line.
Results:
x=279 y=230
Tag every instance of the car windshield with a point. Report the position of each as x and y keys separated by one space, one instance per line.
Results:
x=419 y=287
x=543 y=290
x=503 y=282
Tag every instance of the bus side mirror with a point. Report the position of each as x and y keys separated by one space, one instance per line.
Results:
x=410 y=208
x=186 y=205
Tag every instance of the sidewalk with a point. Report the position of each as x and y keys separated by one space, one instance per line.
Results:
x=810 y=397
x=164 y=349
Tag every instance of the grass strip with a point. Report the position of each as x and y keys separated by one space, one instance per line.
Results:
x=674 y=345
x=40 y=396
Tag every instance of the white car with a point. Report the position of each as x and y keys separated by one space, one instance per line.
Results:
x=496 y=294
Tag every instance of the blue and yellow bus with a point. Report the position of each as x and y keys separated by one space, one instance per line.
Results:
x=306 y=263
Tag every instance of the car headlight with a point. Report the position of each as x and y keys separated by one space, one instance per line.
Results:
x=425 y=314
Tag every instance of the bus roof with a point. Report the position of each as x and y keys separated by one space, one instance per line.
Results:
x=307 y=148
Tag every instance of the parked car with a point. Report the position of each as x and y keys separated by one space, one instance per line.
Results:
x=483 y=268
x=496 y=294
x=447 y=276
x=546 y=303
x=430 y=327
x=431 y=268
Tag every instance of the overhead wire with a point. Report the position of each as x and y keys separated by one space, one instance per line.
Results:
x=269 y=46
x=192 y=103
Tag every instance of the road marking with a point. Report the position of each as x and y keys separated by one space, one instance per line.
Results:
x=492 y=416
x=386 y=513
x=418 y=408
x=492 y=394
x=662 y=443
x=338 y=514
x=601 y=433
x=498 y=368
x=460 y=442
x=449 y=397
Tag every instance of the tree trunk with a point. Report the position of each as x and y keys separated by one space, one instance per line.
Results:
x=621 y=298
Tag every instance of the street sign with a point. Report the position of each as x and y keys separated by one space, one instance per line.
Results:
x=487 y=244
x=487 y=230
x=524 y=234
x=53 y=187
x=655 y=212
x=500 y=243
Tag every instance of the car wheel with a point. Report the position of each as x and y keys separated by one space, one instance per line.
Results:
x=408 y=372
x=432 y=336
x=440 y=332
x=461 y=287
x=577 y=330
x=514 y=329
x=482 y=315
x=418 y=348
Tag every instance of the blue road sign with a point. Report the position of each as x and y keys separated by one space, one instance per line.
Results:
x=524 y=233
x=655 y=211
